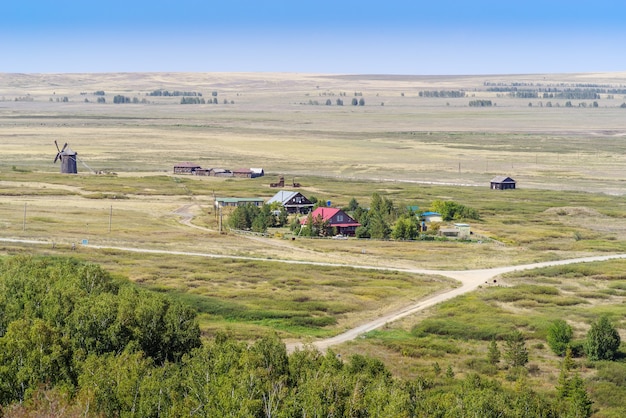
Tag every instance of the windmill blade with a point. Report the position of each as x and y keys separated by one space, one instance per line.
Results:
x=58 y=152
x=64 y=146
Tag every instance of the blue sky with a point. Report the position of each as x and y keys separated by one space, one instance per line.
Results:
x=322 y=36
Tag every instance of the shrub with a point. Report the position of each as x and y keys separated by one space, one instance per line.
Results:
x=603 y=340
x=559 y=336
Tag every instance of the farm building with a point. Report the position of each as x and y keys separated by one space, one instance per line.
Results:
x=461 y=231
x=203 y=172
x=293 y=202
x=336 y=218
x=502 y=183
x=243 y=173
x=222 y=172
x=237 y=201
x=432 y=217
x=257 y=172
x=186 y=168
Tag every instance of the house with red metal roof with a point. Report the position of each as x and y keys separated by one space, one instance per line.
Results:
x=336 y=219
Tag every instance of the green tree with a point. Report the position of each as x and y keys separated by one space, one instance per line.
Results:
x=603 y=340
x=263 y=219
x=453 y=211
x=405 y=228
x=378 y=227
x=515 y=352
x=493 y=353
x=31 y=353
x=573 y=398
x=577 y=400
x=567 y=364
x=283 y=217
x=243 y=216
x=559 y=336
x=353 y=205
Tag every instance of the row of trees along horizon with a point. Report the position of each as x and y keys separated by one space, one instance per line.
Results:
x=75 y=341
x=382 y=220
x=516 y=91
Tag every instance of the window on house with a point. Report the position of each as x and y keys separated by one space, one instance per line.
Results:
x=339 y=218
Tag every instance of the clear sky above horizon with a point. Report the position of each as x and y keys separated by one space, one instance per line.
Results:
x=348 y=37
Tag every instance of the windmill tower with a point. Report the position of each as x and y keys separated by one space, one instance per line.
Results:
x=68 y=159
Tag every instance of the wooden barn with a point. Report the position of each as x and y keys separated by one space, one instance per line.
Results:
x=502 y=183
x=222 y=172
x=203 y=172
x=186 y=168
x=243 y=173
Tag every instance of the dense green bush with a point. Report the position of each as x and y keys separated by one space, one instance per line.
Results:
x=58 y=312
x=559 y=336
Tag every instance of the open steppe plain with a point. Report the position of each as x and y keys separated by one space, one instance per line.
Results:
x=568 y=160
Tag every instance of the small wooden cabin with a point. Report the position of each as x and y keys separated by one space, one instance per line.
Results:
x=502 y=183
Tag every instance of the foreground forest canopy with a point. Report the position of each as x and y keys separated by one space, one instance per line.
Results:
x=76 y=341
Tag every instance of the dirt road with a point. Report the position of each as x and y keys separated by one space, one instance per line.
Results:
x=469 y=279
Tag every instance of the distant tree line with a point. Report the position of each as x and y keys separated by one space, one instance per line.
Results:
x=524 y=94
x=577 y=94
x=480 y=103
x=556 y=93
x=442 y=93
x=124 y=99
x=338 y=102
x=121 y=99
x=193 y=100
x=167 y=93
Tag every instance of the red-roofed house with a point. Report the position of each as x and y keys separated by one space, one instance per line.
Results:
x=336 y=218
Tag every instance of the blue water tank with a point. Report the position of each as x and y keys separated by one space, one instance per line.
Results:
x=328 y=203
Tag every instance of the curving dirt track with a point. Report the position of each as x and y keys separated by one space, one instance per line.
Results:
x=469 y=280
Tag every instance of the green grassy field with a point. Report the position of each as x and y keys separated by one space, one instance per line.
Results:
x=457 y=333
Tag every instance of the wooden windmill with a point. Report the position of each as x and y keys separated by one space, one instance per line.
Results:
x=68 y=159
